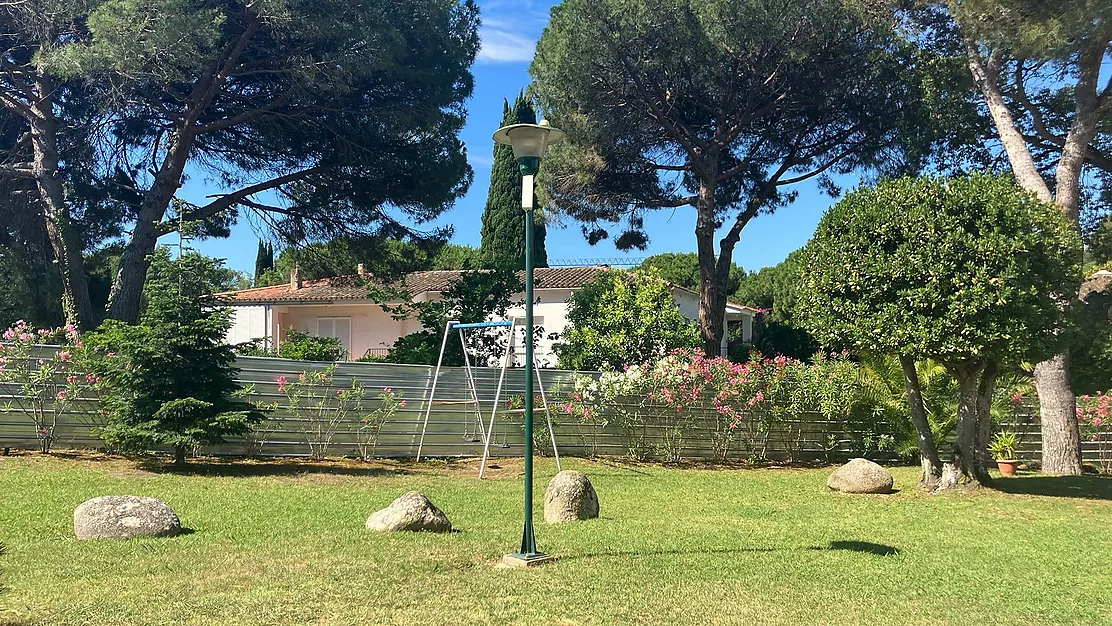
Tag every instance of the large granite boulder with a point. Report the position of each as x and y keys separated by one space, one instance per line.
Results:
x=412 y=512
x=124 y=517
x=570 y=497
x=860 y=476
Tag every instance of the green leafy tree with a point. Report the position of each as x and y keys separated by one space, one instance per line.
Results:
x=383 y=259
x=478 y=296
x=682 y=268
x=623 y=318
x=1039 y=67
x=503 y=243
x=741 y=100
x=773 y=290
x=169 y=380
x=972 y=272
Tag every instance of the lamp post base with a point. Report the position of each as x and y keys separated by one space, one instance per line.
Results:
x=527 y=560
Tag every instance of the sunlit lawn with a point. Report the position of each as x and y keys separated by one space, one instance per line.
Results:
x=283 y=543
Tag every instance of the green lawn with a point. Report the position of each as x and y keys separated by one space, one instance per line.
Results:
x=283 y=543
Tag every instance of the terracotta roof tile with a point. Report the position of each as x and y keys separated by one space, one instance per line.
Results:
x=354 y=288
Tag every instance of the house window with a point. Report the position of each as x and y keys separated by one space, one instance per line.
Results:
x=338 y=327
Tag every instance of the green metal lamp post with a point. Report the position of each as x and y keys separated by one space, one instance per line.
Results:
x=529 y=142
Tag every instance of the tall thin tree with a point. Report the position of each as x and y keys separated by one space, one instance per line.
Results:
x=503 y=243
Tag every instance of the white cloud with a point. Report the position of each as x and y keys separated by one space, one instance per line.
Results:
x=480 y=162
x=499 y=46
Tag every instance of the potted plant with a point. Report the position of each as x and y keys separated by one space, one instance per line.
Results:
x=1003 y=450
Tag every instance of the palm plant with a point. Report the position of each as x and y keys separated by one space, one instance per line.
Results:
x=885 y=394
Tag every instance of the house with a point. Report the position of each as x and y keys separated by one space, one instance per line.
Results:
x=340 y=307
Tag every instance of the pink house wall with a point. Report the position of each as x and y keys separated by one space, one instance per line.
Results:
x=371 y=327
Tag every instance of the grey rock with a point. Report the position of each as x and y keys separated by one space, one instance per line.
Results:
x=570 y=497
x=124 y=517
x=861 y=476
x=411 y=512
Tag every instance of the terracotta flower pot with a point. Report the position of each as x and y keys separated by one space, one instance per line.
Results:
x=1007 y=468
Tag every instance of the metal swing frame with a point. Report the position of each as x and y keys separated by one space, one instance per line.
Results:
x=486 y=432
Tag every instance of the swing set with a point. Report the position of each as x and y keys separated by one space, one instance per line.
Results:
x=483 y=432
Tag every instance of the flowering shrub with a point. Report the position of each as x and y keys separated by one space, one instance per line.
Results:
x=1093 y=415
x=47 y=386
x=741 y=401
x=370 y=425
x=313 y=399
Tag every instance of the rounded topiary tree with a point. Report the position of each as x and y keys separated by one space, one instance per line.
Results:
x=972 y=272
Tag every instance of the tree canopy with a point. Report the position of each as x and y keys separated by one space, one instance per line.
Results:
x=972 y=272
x=320 y=117
x=622 y=318
x=741 y=100
x=682 y=268
x=381 y=258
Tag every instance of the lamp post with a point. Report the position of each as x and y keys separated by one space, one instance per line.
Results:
x=529 y=142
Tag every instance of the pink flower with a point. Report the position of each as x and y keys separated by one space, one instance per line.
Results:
x=402 y=404
x=65 y=356
x=386 y=390
x=110 y=354
x=281 y=380
x=1097 y=421
x=61 y=395
x=300 y=377
x=9 y=334
x=339 y=392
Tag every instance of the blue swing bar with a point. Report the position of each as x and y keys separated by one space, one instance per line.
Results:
x=481 y=325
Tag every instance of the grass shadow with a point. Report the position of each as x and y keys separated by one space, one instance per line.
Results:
x=677 y=552
x=1088 y=487
x=241 y=469
x=866 y=547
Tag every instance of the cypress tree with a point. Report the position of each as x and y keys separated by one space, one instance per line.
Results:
x=264 y=260
x=260 y=261
x=503 y=244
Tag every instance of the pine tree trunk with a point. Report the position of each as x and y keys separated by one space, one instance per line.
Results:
x=77 y=305
x=960 y=471
x=928 y=452
x=127 y=289
x=712 y=299
x=1061 y=442
x=179 y=456
x=1061 y=450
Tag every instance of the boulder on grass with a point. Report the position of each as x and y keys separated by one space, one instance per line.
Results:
x=861 y=476
x=570 y=497
x=412 y=512
x=124 y=517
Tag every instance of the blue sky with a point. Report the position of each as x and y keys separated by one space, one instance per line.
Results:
x=510 y=31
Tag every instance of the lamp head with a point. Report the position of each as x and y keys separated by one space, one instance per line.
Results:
x=529 y=141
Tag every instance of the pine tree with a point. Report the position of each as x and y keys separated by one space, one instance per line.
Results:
x=503 y=243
